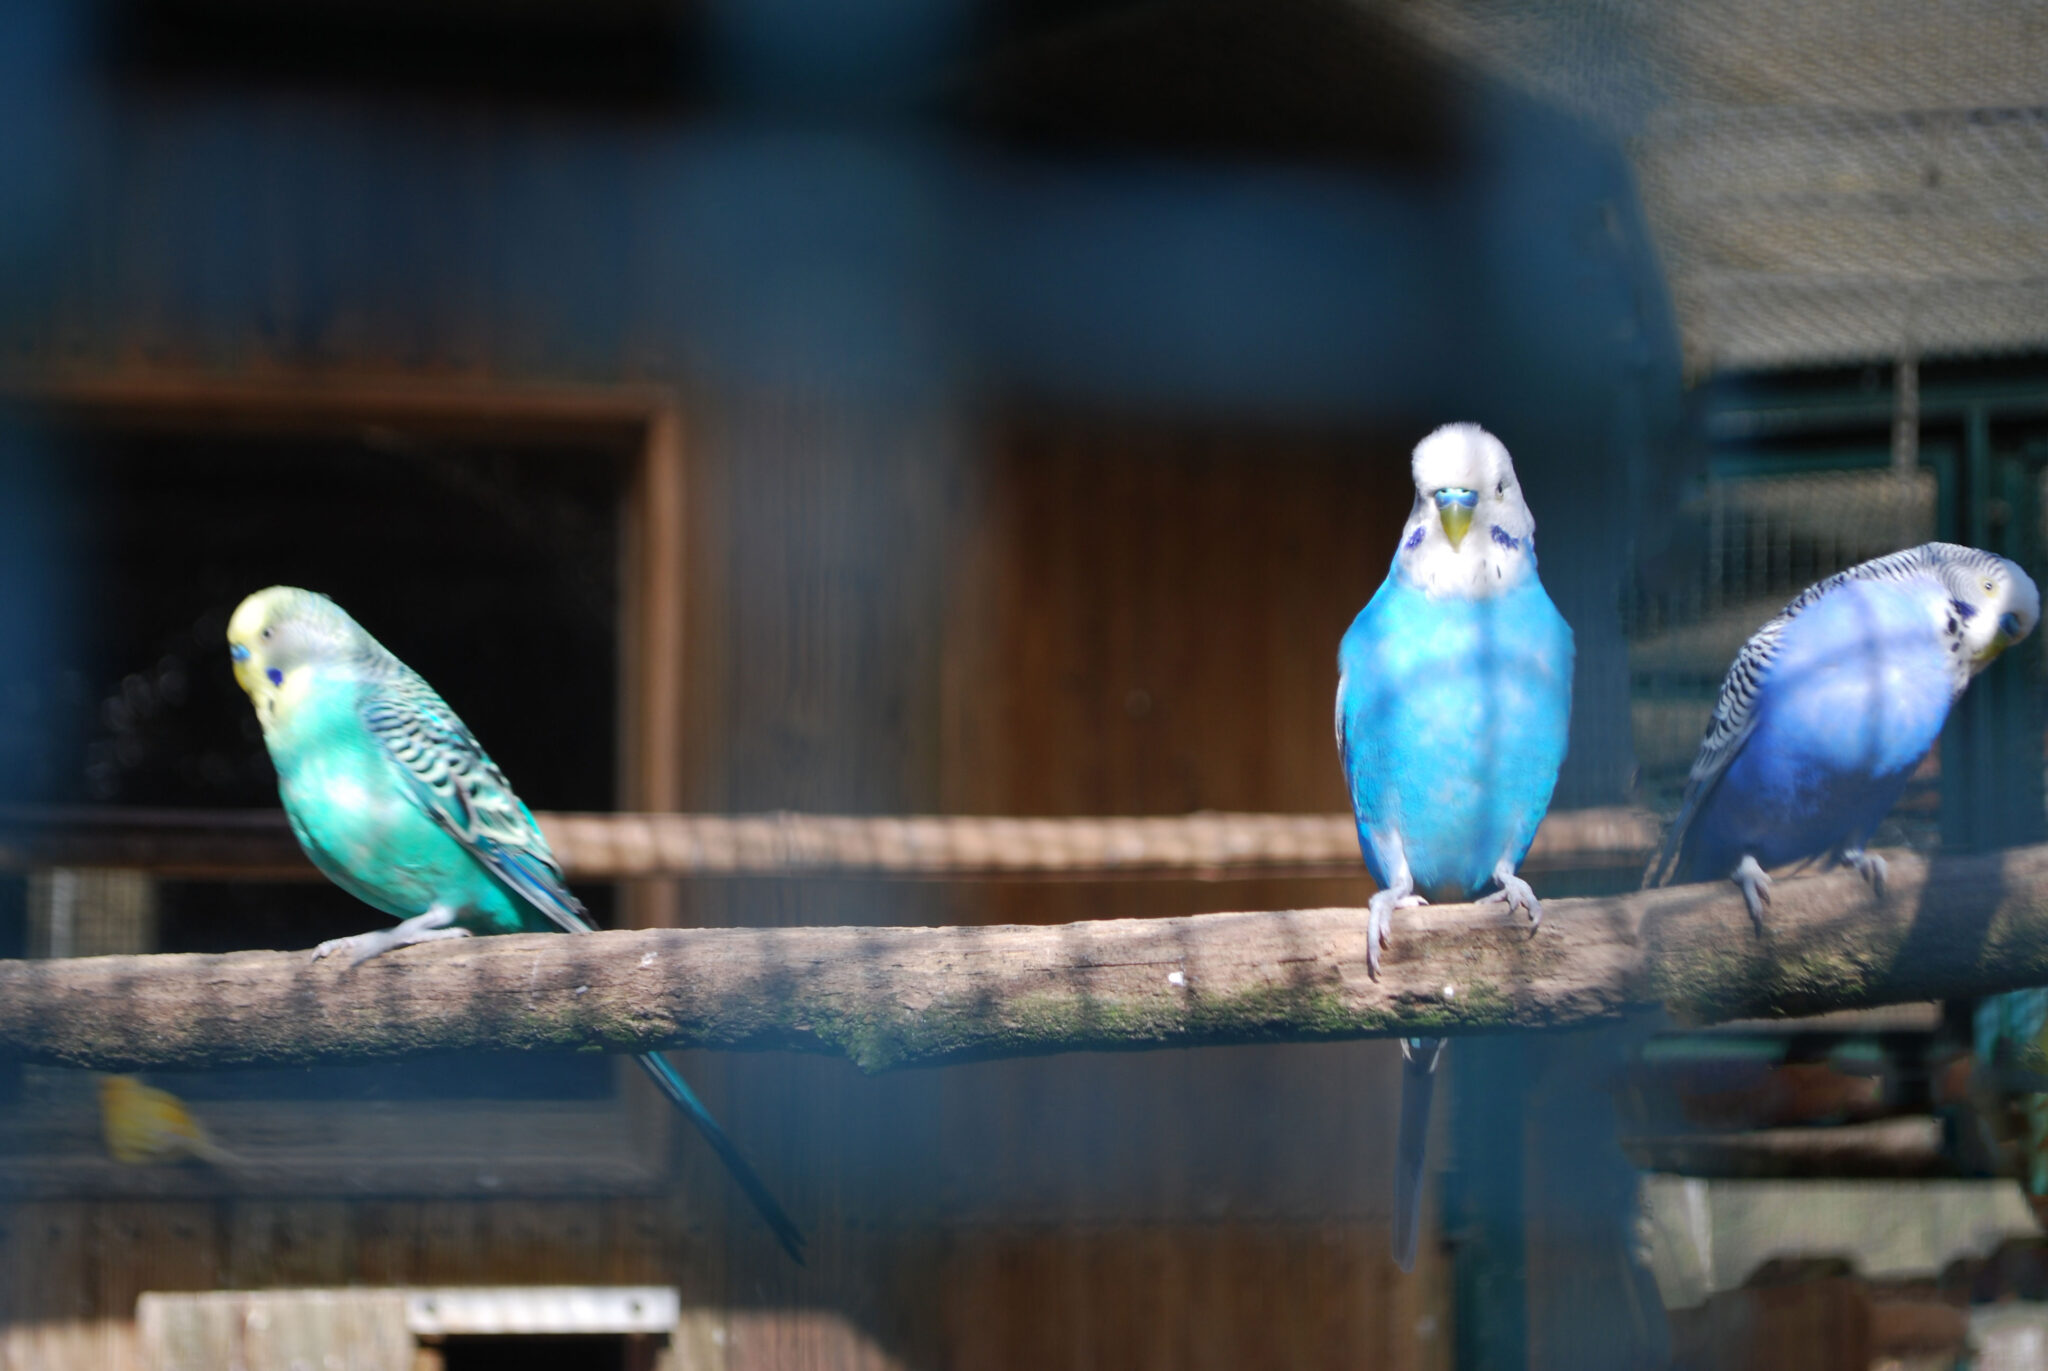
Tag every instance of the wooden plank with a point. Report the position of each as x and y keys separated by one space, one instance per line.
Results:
x=275 y=1330
x=1210 y=1298
x=1146 y=622
x=74 y=1271
x=288 y=1242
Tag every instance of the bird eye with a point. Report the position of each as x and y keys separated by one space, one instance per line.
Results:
x=266 y=633
x=1987 y=585
x=1500 y=487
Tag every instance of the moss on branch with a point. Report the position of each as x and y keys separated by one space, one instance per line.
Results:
x=895 y=997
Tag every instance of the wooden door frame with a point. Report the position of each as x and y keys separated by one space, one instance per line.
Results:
x=613 y=1146
x=648 y=420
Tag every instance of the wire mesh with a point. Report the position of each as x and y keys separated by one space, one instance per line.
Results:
x=1827 y=182
x=1767 y=539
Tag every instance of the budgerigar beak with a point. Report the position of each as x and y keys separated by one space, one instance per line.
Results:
x=2009 y=632
x=240 y=655
x=1454 y=507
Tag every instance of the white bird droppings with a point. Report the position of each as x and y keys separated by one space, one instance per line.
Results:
x=1450 y=992
x=1175 y=978
x=646 y=960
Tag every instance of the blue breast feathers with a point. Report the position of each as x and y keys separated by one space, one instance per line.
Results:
x=1856 y=695
x=1454 y=715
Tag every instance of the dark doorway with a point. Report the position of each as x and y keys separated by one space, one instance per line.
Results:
x=527 y=1352
x=492 y=567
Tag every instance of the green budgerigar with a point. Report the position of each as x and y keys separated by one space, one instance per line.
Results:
x=392 y=798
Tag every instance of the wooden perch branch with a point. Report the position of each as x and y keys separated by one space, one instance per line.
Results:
x=889 y=997
x=256 y=844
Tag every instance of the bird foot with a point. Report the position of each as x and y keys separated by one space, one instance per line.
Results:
x=1755 y=883
x=1422 y=1052
x=1868 y=865
x=432 y=926
x=1516 y=894
x=1379 y=914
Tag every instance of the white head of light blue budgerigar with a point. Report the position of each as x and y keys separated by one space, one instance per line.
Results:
x=1470 y=534
x=1453 y=706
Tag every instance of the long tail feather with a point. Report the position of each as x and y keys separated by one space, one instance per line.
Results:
x=1419 y=1057
x=685 y=1099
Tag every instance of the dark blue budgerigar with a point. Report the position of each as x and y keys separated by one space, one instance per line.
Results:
x=1453 y=707
x=1830 y=706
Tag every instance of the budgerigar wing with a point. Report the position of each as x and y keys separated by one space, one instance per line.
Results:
x=463 y=791
x=1735 y=712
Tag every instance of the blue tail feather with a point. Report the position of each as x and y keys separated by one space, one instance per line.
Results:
x=685 y=1099
x=1419 y=1058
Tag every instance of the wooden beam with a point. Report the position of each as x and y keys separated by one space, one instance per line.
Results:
x=1884 y=1149
x=889 y=997
x=180 y=401
x=257 y=844
x=651 y=641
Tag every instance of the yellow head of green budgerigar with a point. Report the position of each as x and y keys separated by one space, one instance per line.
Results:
x=279 y=638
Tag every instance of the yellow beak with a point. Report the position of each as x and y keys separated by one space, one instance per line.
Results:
x=1457 y=518
x=2009 y=632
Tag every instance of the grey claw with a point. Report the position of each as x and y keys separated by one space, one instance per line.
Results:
x=433 y=926
x=1380 y=916
x=1755 y=884
x=1869 y=866
x=1517 y=893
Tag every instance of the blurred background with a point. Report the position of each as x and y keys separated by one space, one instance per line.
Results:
x=995 y=409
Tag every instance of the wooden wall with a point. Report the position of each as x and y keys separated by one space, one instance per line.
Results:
x=1141 y=1299
x=900 y=595
x=1021 y=614
x=939 y=611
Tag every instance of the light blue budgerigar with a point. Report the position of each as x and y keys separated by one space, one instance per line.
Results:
x=1830 y=706
x=1453 y=707
x=392 y=798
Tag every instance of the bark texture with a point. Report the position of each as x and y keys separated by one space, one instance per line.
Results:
x=891 y=997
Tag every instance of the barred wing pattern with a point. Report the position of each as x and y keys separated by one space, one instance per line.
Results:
x=1735 y=711
x=462 y=789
